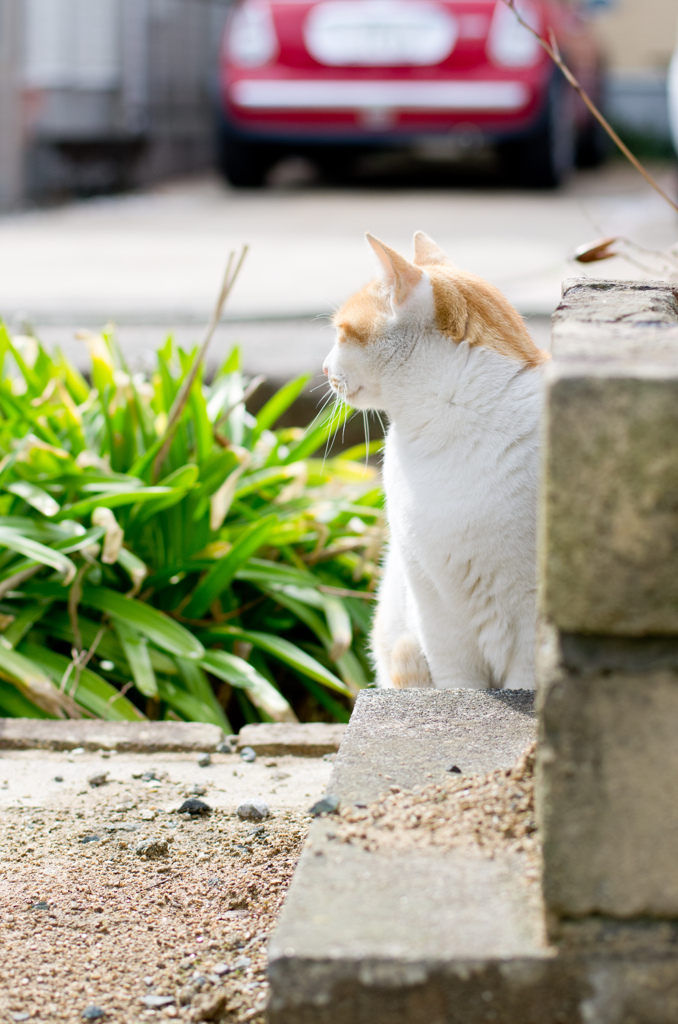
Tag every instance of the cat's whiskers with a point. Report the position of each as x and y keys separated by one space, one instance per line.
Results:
x=381 y=422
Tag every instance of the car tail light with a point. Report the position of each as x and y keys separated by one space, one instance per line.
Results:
x=509 y=43
x=251 y=40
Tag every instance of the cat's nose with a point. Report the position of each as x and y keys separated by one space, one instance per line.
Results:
x=325 y=369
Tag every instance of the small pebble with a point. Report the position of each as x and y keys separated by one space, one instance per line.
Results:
x=220 y=969
x=149 y=776
x=454 y=769
x=148 y=981
x=194 y=807
x=253 y=810
x=152 y=849
x=58 y=778
x=93 y=1013
x=40 y=905
x=205 y=760
x=90 y=839
x=185 y=995
x=77 y=750
x=328 y=805
x=241 y=963
x=20 y=1016
x=157 y=1002
x=198 y=790
x=97 y=779
x=224 y=747
x=248 y=754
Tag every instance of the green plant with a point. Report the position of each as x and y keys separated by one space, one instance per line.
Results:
x=175 y=558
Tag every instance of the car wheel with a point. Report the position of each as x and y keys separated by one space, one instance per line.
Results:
x=593 y=145
x=546 y=158
x=243 y=164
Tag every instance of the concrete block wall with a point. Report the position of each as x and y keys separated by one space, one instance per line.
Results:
x=607 y=652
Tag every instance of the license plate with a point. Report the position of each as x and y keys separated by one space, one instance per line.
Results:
x=379 y=33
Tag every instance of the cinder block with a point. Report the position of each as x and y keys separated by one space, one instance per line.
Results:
x=607 y=779
x=608 y=539
x=302 y=739
x=145 y=737
x=609 y=510
x=610 y=505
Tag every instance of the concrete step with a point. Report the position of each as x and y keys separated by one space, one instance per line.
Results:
x=434 y=935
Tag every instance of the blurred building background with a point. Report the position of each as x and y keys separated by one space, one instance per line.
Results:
x=97 y=95
x=639 y=37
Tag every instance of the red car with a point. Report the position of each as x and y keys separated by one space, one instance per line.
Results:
x=326 y=77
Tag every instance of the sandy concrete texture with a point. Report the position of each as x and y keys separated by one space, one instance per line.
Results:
x=114 y=903
x=383 y=935
x=28 y=778
x=403 y=737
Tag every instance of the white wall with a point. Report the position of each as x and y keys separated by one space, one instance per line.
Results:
x=72 y=44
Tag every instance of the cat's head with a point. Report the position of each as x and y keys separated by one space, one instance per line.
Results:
x=407 y=322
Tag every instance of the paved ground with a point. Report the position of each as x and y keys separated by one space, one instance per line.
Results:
x=152 y=261
x=89 y=925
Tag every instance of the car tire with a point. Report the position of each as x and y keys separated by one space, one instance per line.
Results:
x=243 y=164
x=546 y=158
x=593 y=145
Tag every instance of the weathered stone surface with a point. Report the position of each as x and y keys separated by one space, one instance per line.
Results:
x=626 y=322
x=608 y=775
x=407 y=737
x=609 y=531
x=308 y=739
x=441 y=937
x=146 y=737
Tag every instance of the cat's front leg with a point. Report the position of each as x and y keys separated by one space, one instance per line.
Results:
x=398 y=656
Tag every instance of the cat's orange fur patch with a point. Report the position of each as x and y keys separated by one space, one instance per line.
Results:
x=359 y=319
x=408 y=665
x=466 y=308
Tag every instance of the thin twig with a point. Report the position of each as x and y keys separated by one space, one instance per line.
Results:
x=179 y=403
x=553 y=51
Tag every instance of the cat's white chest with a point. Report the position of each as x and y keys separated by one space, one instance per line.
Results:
x=433 y=502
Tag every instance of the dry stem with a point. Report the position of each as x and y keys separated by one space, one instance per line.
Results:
x=179 y=404
x=551 y=48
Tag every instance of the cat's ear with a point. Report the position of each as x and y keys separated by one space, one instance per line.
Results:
x=426 y=252
x=400 y=276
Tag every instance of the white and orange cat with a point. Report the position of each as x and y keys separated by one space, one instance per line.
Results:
x=452 y=364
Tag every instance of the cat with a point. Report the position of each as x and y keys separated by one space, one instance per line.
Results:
x=450 y=361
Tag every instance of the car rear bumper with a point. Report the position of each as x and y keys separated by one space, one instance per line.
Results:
x=300 y=96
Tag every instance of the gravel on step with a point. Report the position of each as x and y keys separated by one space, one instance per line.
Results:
x=253 y=810
x=194 y=807
x=152 y=849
